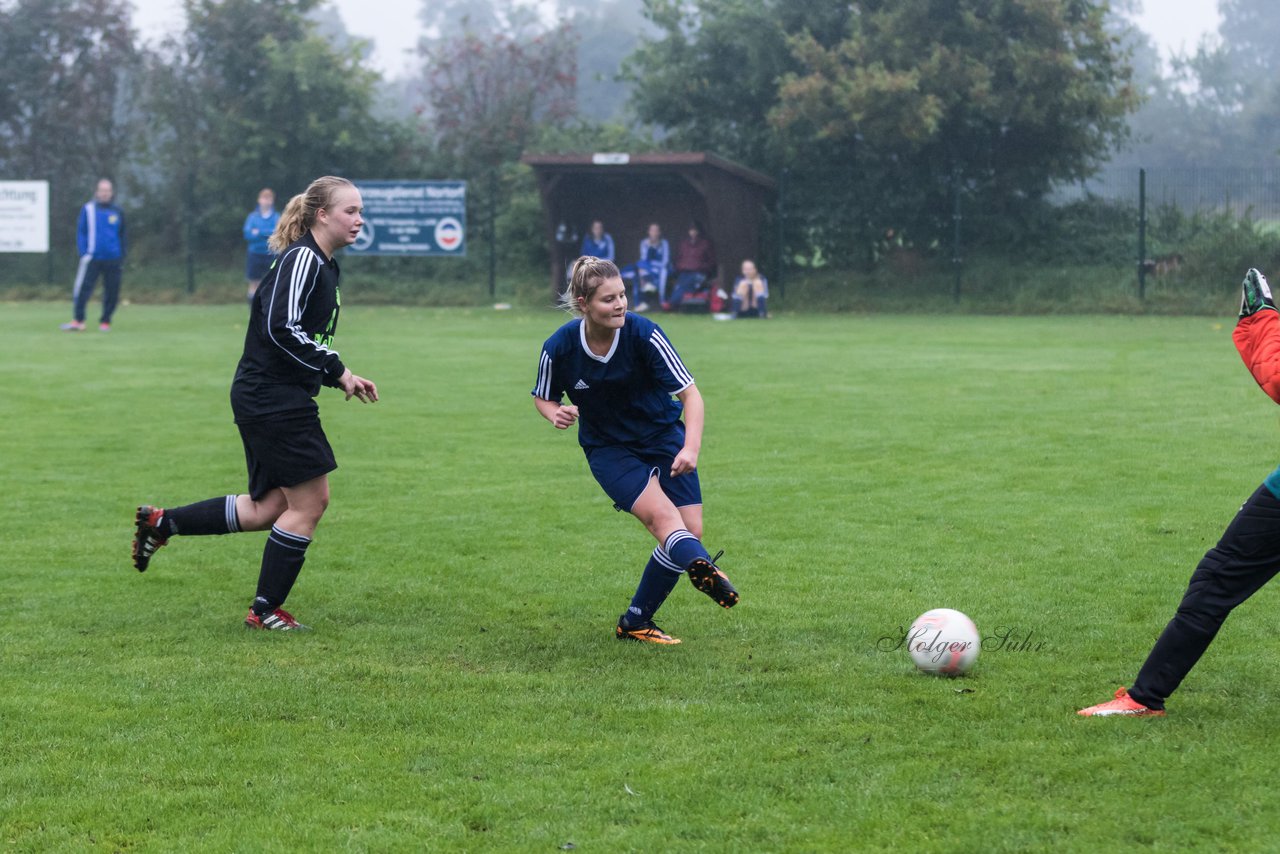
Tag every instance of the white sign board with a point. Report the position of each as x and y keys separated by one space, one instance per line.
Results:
x=24 y=216
x=610 y=158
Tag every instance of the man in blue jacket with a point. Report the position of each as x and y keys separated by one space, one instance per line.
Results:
x=258 y=226
x=100 y=239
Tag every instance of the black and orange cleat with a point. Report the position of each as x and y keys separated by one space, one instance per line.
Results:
x=709 y=578
x=147 y=536
x=646 y=632
x=278 y=620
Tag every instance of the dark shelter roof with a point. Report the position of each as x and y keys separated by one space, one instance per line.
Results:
x=630 y=191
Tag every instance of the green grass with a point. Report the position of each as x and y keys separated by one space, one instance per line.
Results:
x=461 y=689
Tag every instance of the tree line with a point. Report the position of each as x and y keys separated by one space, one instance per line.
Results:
x=877 y=112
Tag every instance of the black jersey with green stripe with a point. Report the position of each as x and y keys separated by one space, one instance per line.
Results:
x=288 y=347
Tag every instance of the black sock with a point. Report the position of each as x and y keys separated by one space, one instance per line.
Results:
x=211 y=516
x=282 y=559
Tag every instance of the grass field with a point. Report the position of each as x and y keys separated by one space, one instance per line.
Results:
x=1054 y=478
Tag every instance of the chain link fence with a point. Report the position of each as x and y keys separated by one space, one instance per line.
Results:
x=1127 y=230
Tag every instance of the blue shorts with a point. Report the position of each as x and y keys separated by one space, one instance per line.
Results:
x=624 y=472
x=256 y=266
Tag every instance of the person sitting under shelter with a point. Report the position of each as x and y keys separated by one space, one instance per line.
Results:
x=751 y=292
x=648 y=276
x=695 y=264
x=598 y=243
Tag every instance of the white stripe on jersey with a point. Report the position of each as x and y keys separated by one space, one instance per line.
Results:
x=305 y=261
x=543 y=387
x=668 y=353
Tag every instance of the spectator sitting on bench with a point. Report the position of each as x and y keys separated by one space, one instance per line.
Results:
x=695 y=263
x=649 y=275
x=750 y=292
x=598 y=243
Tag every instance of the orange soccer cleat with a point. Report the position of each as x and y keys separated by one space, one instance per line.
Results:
x=1123 y=704
x=646 y=632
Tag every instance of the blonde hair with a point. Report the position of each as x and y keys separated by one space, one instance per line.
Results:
x=589 y=273
x=300 y=214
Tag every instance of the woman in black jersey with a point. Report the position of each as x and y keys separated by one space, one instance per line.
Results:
x=288 y=355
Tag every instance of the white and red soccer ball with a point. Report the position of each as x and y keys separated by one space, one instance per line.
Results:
x=943 y=642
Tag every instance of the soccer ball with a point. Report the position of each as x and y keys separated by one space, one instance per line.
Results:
x=943 y=642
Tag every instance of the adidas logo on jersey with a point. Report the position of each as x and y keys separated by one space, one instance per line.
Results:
x=580 y=385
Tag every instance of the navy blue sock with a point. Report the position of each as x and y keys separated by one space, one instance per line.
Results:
x=212 y=516
x=282 y=559
x=657 y=582
x=762 y=306
x=684 y=548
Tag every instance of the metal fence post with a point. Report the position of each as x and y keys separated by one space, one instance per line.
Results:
x=1142 y=234
x=780 y=252
x=49 y=254
x=493 y=232
x=191 y=231
x=955 y=240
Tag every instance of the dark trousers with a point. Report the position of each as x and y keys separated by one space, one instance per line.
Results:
x=687 y=281
x=87 y=276
x=1246 y=558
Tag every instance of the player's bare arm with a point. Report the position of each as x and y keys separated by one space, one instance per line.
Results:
x=561 y=416
x=694 y=415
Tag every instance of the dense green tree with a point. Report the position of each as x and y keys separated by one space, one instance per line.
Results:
x=251 y=95
x=68 y=69
x=873 y=107
x=710 y=76
x=1010 y=96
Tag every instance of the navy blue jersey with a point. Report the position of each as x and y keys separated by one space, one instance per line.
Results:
x=624 y=397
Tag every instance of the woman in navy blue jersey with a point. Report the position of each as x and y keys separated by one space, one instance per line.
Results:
x=621 y=374
x=288 y=355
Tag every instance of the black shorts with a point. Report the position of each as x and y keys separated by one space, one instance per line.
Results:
x=285 y=451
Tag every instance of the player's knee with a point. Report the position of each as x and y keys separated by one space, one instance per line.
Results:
x=310 y=505
x=659 y=520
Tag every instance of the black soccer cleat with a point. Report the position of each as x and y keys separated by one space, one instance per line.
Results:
x=147 y=536
x=708 y=578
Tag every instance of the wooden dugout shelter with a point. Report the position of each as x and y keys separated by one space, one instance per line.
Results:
x=629 y=191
